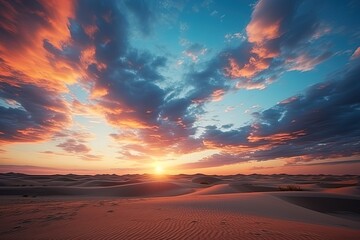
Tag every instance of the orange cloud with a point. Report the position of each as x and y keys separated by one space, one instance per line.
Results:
x=276 y=138
x=263 y=26
x=263 y=52
x=304 y=62
x=259 y=30
x=248 y=70
x=29 y=57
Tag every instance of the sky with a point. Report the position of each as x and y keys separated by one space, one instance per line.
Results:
x=214 y=87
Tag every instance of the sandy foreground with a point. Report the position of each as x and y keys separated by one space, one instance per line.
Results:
x=179 y=207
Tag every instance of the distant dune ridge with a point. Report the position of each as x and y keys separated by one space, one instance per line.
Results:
x=179 y=207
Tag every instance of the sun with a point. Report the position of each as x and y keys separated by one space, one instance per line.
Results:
x=159 y=170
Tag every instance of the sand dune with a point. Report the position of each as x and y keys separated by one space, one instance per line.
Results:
x=206 y=180
x=355 y=190
x=331 y=204
x=178 y=207
x=216 y=189
x=120 y=190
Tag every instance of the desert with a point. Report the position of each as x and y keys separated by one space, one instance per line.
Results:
x=179 y=207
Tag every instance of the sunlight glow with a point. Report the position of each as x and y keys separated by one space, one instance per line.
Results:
x=159 y=170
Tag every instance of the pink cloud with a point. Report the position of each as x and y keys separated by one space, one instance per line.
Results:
x=250 y=85
x=289 y=100
x=229 y=109
x=74 y=146
x=217 y=95
x=356 y=54
x=91 y=157
x=305 y=62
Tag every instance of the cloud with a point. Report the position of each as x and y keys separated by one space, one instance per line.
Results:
x=142 y=12
x=263 y=32
x=280 y=37
x=53 y=153
x=128 y=89
x=234 y=36
x=305 y=62
x=37 y=115
x=215 y=160
x=73 y=146
x=217 y=95
x=121 y=79
x=91 y=157
x=266 y=20
x=124 y=83
x=194 y=51
x=329 y=163
x=356 y=54
x=88 y=42
x=184 y=27
x=36 y=109
x=75 y=143
x=229 y=109
x=321 y=123
x=247 y=70
x=35 y=170
x=24 y=26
